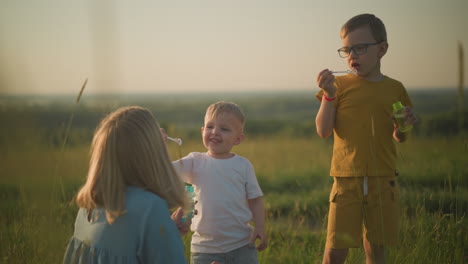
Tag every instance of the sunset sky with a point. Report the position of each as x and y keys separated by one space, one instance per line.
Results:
x=153 y=46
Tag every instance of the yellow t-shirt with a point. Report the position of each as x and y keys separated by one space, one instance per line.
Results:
x=363 y=133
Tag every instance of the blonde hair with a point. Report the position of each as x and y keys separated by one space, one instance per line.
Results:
x=376 y=26
x=128 y=150
x=223 y=107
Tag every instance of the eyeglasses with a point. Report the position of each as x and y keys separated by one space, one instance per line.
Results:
x=358 y=49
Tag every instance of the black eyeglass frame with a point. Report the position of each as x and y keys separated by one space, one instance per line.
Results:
x=353 y=48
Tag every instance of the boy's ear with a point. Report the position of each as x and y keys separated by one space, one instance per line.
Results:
x=239 y=138
x=383 y=47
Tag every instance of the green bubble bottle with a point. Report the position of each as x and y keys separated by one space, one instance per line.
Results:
x=399 y=114
x=190 y=194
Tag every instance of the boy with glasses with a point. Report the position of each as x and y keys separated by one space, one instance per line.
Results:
x=357 y=107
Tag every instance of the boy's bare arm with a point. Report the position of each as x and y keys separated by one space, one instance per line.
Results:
x=257 y=208
x=325 y=120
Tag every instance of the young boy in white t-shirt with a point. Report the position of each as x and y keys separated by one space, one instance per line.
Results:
x=227 y=192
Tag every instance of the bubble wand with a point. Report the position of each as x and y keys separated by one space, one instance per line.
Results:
x=347 y=71
x=178 y=141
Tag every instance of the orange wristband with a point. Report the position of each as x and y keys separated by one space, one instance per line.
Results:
x=328 y=99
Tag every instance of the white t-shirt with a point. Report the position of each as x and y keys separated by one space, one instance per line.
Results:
x=222 y=188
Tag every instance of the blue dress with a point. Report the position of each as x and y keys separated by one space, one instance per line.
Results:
x=145 y=234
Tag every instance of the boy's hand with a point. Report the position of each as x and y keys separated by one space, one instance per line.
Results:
x=410 y=117
x=263 y=240
x=325 y=81
x=183 y=227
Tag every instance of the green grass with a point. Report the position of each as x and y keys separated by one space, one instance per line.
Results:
x=37 y=185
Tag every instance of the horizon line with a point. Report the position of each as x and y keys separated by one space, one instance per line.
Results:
x=200 y=93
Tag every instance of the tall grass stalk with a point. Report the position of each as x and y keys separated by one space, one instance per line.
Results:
x=461 y=72
x=64 y=143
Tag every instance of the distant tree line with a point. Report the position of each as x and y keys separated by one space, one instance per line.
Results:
x=46 y=124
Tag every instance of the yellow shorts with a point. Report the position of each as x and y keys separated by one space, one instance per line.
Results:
x=363 y=206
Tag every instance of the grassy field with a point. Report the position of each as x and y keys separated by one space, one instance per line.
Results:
x=40 y=172
x=38 y=183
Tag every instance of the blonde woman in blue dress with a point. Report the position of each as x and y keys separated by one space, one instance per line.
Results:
x=124 y=204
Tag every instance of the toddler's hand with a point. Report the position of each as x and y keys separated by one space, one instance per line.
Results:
x=183 y=227
x=325 y=81
x=263 y=240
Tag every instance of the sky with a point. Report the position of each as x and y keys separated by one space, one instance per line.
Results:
x=186 y=46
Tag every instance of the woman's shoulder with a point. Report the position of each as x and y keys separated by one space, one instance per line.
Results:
x=140 y=199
